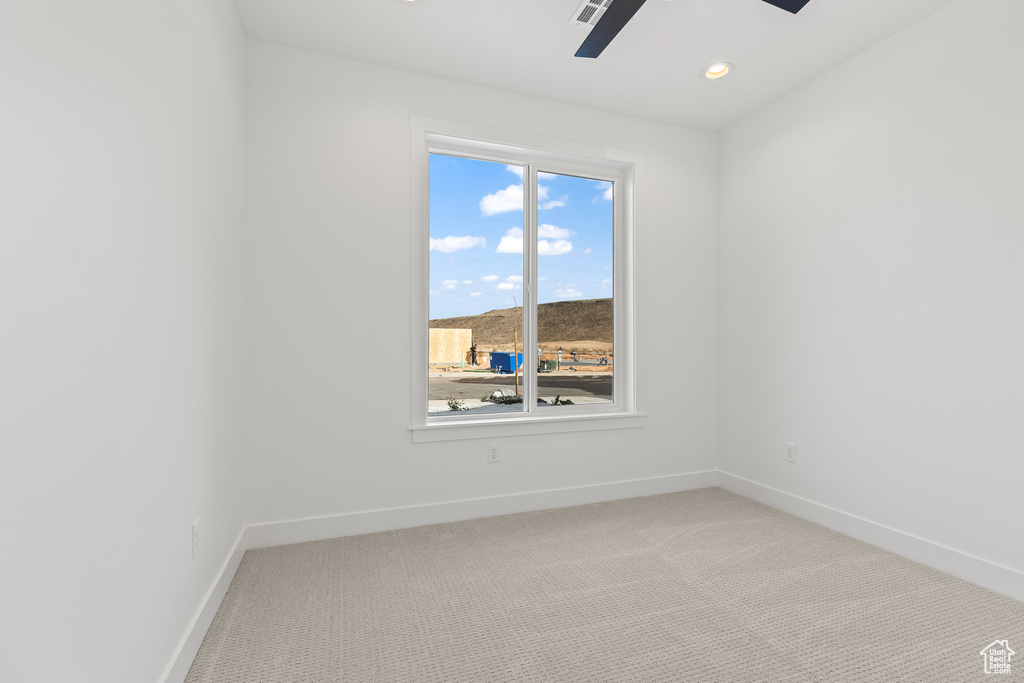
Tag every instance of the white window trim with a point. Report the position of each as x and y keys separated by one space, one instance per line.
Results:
x=556 y=156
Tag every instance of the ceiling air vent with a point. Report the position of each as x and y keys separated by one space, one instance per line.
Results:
x=589 y=12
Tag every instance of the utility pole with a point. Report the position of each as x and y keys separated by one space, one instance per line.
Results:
x=515 y=358
x=515 y=347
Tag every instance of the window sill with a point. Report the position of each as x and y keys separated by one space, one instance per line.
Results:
x=487 y=429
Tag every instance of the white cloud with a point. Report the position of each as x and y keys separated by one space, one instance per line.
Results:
x=587 y=250
x=451 y=243
x=467 y=282
x=552 y=231
x=449 y=284
x=518 y=170
x=568 y=293
x=434 y=291
x=488 y=278
x=556 y=248
x=511 y=243
x=554 y=203
x=511 y=282
x=475 y=293
x=509 y=199
x=542 y=175
x=607 y=281
x=606 y=193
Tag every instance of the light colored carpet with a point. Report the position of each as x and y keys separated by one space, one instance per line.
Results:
x=694 y=586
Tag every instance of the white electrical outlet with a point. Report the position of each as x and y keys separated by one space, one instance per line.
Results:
x=195 y=538
x=790 y=452
x=492 y=453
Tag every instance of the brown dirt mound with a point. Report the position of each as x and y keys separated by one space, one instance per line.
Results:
x=558 y=324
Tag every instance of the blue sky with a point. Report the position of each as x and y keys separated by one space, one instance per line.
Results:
x=476 y=237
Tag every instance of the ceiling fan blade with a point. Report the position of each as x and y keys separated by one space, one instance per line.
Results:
x=608 y=26
x=793 y=6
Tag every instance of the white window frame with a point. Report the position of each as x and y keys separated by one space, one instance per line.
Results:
x=430 y=136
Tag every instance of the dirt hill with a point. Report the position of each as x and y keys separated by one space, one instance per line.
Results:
x=583 y=326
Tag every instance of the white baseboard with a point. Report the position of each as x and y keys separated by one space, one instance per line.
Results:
x=995 y=577
x=350 y=524
x=181 y=662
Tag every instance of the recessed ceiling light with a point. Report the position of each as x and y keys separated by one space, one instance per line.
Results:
x=716 y=70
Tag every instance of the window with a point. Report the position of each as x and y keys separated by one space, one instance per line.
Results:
x=524 y=315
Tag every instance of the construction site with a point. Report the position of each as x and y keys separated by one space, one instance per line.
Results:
x=475 y=362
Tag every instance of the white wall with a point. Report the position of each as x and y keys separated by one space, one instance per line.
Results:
x=121 y=297
x=328 y=187
x=872 y=242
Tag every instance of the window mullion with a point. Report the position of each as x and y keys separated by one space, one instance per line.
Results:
x=530 y=360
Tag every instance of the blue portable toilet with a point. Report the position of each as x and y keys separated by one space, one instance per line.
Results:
x=501 y=361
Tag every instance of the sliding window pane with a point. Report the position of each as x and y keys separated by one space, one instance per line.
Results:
x=476 y=287
x=575 y=312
